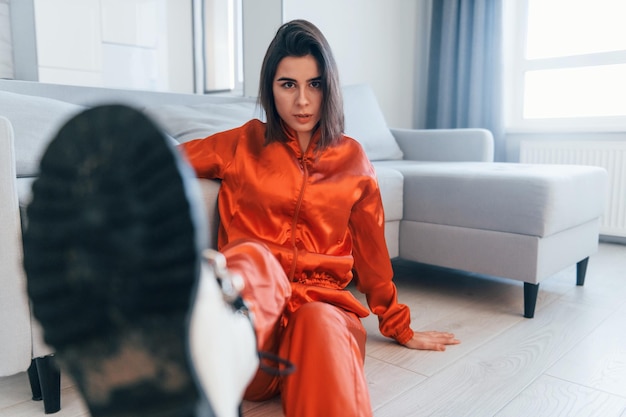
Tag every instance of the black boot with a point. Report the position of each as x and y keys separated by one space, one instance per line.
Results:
x=112 y=257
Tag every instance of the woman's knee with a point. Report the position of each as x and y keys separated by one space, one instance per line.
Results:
x=318 y=319
x=258 y=267
x=252 y=249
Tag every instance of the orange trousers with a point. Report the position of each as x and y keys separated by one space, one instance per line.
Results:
x=325 y=343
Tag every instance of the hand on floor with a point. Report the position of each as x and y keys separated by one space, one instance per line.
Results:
x=431 y=340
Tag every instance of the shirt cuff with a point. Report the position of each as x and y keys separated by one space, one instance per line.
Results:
x=404 y=336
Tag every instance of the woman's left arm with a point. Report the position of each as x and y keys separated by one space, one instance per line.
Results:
x=374 y=275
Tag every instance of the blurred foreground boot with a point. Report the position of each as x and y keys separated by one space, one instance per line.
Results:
x=112 y=253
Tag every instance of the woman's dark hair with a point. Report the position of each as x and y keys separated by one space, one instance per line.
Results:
x=299 y=38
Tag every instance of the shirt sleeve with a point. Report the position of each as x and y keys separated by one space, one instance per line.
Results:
x=374 y=273
x=211 y=156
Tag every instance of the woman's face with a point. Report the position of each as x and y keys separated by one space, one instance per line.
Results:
x=297 y=92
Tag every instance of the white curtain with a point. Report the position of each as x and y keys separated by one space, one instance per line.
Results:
x=6 y=49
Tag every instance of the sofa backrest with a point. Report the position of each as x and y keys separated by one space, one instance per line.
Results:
x=35 y=119
x=194 y=121
x=365 y=123
x=364 y=120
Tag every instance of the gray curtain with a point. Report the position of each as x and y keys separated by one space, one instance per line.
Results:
x=465 y=67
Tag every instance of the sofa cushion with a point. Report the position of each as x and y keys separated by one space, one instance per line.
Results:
x=528 y=199
x=390 y=182
x=35 y=121
x=365 y=122
x=187 y=122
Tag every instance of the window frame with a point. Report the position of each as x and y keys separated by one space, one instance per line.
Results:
x=516 y=65
x=217 y=69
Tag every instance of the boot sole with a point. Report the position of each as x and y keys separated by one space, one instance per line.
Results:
x=111 y=257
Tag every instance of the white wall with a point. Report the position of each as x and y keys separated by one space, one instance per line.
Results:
x=261 y=19
x=381 y=43
x=374 y=42
x=6 y=48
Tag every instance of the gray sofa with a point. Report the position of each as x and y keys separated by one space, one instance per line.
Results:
x=446 y=202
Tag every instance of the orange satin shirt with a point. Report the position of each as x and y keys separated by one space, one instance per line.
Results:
x=320 y=213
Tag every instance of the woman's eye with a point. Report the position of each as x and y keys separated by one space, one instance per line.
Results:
x=316 y=84
x=289 y=84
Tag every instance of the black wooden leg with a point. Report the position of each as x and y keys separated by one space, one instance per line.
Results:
x=530 y=299
x=50 y=383
x=33 y=378
x=581 y=271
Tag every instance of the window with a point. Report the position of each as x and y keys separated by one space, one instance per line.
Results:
x=566 y=64
x=218 y=45
x=159 y=45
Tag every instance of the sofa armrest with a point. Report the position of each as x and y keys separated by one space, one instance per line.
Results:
x=473 y=145
x=15 y=329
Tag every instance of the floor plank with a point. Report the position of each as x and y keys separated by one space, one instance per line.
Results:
x=16 y=399
x=599 y=361
x=270 y=408
x=491 y=376
x=570 y=360
x=387 y=381
x=552 y=397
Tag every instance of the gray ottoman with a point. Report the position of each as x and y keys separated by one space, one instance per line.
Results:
x=520 y=221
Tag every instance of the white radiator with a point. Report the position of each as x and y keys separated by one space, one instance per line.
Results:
x=609 y=155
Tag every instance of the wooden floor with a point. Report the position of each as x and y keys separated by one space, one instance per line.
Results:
x=570 y=360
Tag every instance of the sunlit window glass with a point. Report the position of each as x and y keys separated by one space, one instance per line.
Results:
x=596 y=91
x=559 y=28
x=575 y=59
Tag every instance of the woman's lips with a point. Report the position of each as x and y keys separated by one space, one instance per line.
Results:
x=303 y=118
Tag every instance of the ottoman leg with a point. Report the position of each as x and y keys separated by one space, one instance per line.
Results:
x=530 y=299
x=581 y=271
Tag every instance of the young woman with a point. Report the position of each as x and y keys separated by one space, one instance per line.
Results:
x=298 y=191
x=115 y=233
